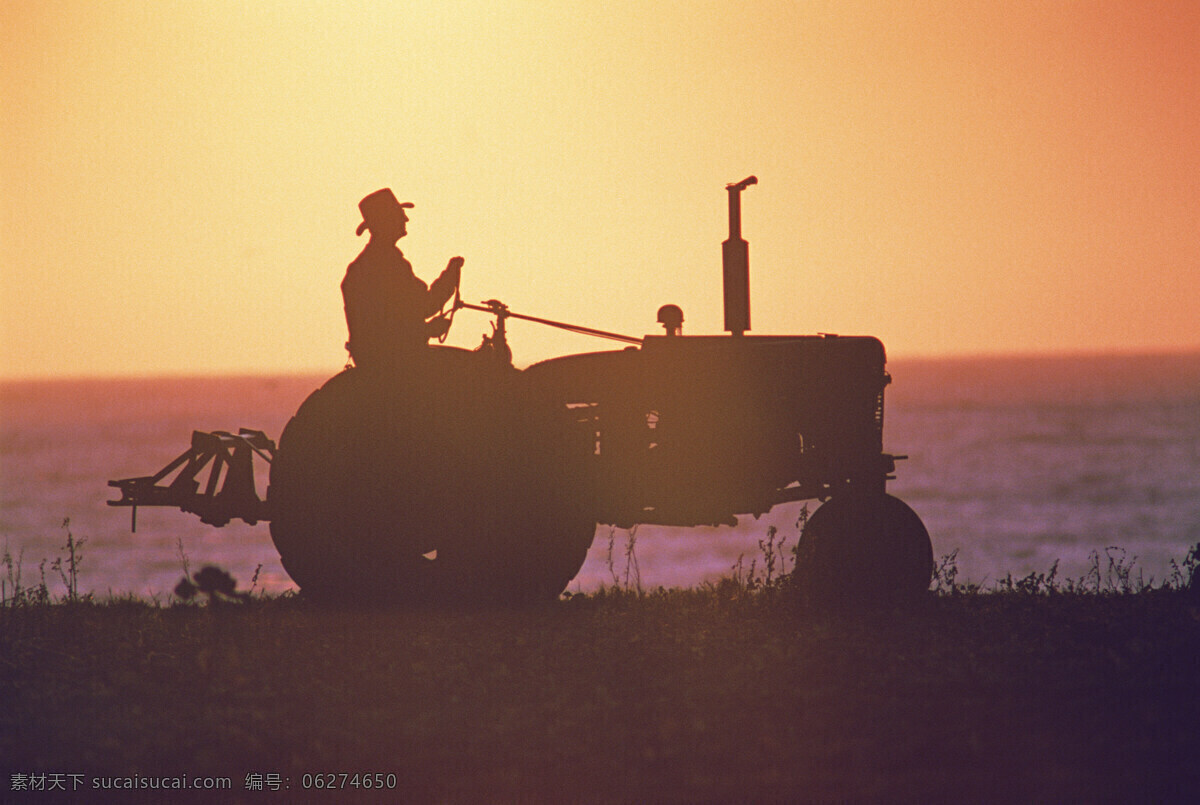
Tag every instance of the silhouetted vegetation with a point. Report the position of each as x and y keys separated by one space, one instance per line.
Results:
x=1034 y=688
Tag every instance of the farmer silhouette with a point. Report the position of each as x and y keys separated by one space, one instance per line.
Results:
x=390 y=312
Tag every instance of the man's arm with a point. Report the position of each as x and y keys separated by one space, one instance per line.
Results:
x=443 y=287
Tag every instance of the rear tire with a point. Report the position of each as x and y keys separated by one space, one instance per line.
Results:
x=456 y=460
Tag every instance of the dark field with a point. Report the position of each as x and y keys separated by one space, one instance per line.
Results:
x=720 y=694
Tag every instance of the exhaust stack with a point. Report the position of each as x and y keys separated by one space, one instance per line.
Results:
x=735 y=263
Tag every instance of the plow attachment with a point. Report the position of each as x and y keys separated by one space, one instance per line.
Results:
x=229 y=490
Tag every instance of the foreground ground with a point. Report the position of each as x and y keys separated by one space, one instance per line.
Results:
x=712 y=695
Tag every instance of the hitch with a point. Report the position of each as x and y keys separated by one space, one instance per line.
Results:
x=231 y=458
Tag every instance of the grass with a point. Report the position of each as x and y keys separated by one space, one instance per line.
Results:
x=1035 y=689
x=14 y=593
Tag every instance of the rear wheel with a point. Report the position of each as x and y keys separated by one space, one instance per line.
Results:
x=452 y=483
x=864 y=550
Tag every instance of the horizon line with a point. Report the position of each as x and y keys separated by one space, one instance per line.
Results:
x=277 y=373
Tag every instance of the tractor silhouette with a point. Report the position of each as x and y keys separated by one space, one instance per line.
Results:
x=465 y=478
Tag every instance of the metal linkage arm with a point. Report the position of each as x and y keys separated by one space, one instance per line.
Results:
x=229 y=492
x=501 y=311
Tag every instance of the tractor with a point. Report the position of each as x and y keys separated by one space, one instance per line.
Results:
x=463 y=478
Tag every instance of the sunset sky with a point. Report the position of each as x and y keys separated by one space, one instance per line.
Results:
x=180 y=179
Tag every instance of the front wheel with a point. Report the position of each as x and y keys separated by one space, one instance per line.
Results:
x=864 y=550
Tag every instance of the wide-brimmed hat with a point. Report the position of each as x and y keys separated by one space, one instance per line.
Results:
x=379 y=205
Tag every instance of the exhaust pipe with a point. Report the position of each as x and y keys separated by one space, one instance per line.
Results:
x=735 y=263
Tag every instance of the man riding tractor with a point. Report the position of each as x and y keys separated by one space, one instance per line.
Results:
x=390 y=312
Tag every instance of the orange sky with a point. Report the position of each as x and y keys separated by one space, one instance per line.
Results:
x=180 y=180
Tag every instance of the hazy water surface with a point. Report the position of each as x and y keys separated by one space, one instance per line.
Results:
x=1013 y=462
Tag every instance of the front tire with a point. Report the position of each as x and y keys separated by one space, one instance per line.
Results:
x=864 y=551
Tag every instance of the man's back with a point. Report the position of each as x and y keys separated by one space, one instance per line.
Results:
x=386 y=306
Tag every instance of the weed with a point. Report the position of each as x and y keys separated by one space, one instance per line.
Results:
x=801 y=524
x=945 y=575
x=608 y=556
x=68 y=567
x=741 y=579
x=1184 y=578
x=1033 y=584
x=631 y=577
x=1117 y=573
x=773 y=573
x=10 y=585
x=632 y=571
x=13 y=593
x=773 y=554
x=41 y=593
x=183 y=557
x=1118 y=576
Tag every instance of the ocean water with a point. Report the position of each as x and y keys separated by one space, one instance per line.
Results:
x=1013 y=463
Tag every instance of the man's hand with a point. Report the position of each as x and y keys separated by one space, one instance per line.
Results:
x=437 y=327
x=443 y=287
